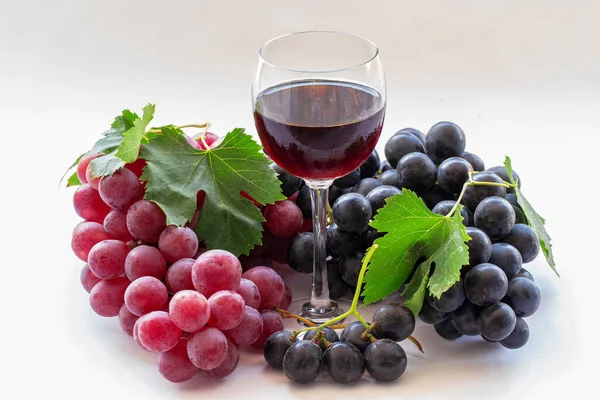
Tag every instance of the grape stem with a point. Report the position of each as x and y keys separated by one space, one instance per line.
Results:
x=471 y=182
x=416 y=343
x=286 y=314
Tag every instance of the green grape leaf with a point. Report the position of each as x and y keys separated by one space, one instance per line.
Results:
x=413 y=232
x=415 y=290
x=125 y=121
x=176 y=172
x=132 y=139
x=533 y=218
x=73 y=180
x=70 y=181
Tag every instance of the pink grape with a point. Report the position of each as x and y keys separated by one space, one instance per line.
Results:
x=146 y=294
x=177 y=242
x=226 y=309
x=107 y=258
x=145 y=261
x=189 y=310
x=107 y=297
x=207 y=348
x=82 y=166
x=136 y=337
x=85 y=236
x=284 y=218
x=127 y=320
x=88 y=204
x=88 y=279
x=249 y=291
x=286 y=301
x=157 y=333
x=248 y=331
x=115 y=224
x=121 y=189
x=175 y=365
x=137 y=167
x=90 y=178
x=269 y=283
x=272 y=322
x=216 y=270
x=146 y=221
x=179 y=275
x=229 y=364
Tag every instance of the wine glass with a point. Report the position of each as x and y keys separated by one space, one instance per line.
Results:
x=319 y=103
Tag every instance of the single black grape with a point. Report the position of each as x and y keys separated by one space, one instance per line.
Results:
x=507 y=257
x=352 y=334
x=523 y=296
x=415 y=132
x=447 y=330
x=400 y=145
x=445 y=140
x=347 y=181
x=465 y=319
x=289 y=183
x=480 y=246
x=450 y=300
x=430 y=315
x=475 y=194
x=512 y=199
x=337 y=286
x=391 y=178
x=453 y=173
x=275 y=347
x=344 y=363
x=300 y=253
x=385 y=360
x=495 y=216
x=368 y=236
x=518 y=337
x=524 y=238
x=444 y=207
x=304 y=202
x=352 y=212
x=333 y=194
x=366 y=185
x=350 y=267
x=500 y=170
x=302 y=361
x=340 y=242
x=416 y=172
x=523 y=273
x=385 y=166
x=370 y=167
x=378 y=196
x=475 y=161
x=485 y=284
x=497 y=321
x=434 y=196
x=393 y=321
x=329 y=334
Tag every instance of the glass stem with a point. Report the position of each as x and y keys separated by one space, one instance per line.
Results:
x=320 y=288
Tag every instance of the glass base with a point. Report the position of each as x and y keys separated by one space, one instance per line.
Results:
x=319 y=315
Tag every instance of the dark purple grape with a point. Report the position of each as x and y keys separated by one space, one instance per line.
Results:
x=507 y=257
x=335 y=193
x=368 y=236
x=366 y=185
x=275 y=348
x=385 y=166
x=337 y=286
x=347 y=181
x=303 y=201
x=445 y=140
x=475 y=161
x=350 y=267
x=289 y=183
x=391 y=178
x=523 y=273
x=352 y=212
x=416 y=172
x=340 y=242
x=453 y=173
x=385 y=360
x=447 y=330
x=430 y=315
x=465 y=319
x=485 y=284
x=480 y=246
x=370 y=167
x=497 y=321
x=352 y=334
x=524 y=238
x=523 y=296
x=435 y=195
x=444 y=207
x=518 y=337
x=475 y=194
x=300 y=253
x=302 y=361
x=378 y=196
x=344 y=363
x=502 y=173
x=393 y=321
x=329 y=334
x=400 y=145
x=495 y=216
x=450 y=300
x=415 y=132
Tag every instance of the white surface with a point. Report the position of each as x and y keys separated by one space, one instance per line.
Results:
x=521 y=77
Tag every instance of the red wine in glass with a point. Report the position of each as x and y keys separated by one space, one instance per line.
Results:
x=319 y=129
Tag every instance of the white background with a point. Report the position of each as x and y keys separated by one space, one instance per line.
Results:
x=521 y=77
